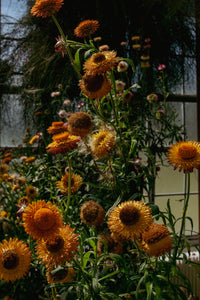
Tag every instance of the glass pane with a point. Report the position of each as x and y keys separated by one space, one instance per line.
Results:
x=12 y=127
x=191 y=121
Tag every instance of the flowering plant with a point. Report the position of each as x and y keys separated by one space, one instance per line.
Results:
x=85 y=207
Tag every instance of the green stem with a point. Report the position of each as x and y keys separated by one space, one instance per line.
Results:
x=183 y=217
x=69 y=184
x=53 y=291
x=67 y=46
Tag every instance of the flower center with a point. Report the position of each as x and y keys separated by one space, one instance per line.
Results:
x=187 y=151
x=100 y=139
x=90 y=213
x=129 y=216
x=93 y=83
x=66 y=182
x=10 y=259
x=44 y=218
x=59 y=275
x=99 y=57
x=54 y=245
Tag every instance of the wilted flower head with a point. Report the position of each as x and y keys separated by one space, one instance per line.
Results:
x=127 y=98
x=55 y=94
x=120 y=85
x=60 y=47
x=122 y=66
x=67 y=102
x=63 y=114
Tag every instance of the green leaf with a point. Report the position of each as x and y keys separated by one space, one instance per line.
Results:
x=77 y=58
x=86 y=258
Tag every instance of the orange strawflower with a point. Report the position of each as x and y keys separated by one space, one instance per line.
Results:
x=129 y=219
x=156 y=240
x=76 y=182
x=57 y=127
x=185 y=155
x=41 y=219
x=46 y=8
x=15 y=259
x=59 y=248
x=86 y=28
x=63 y=144
x=95 y=86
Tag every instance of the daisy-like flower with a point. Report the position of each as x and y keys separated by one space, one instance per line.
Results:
x=63 y=143
x=92 y=213
x=102 y=143
x=101 y=62
x=31 y=191
x=59 y=248
x=41 y=219
x=76 y=182
x=57 y=127
x=80 y=123
x=86 y=28
x=21 y=180
x=15 y=258
x=129 y=219
x=46 y=8
x=156 y=240
x=66 y=274
x=6 y=160
x=184 y=155
x=95 y=86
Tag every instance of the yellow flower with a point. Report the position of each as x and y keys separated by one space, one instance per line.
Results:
x=129 y=219
x=57 y=127
x=15 y=258
x=3 y=214
x=30 y=159
x=101 y=62
x=41 y=219
x=31 y=191
x=185 y=155
x=92 y=213
x=34 y=139
x=66 y=274
x=80 y=123
x=95 y=86
x=86 y=28
x=46 y=8
x=102 y=143
x=59 y=248
x=156 y=240
x=3 y=169
x=76 y=182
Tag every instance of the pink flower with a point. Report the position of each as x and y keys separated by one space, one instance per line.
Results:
x=161 y=67
x=151 y=98
x=160 y=114
x=80 y=104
